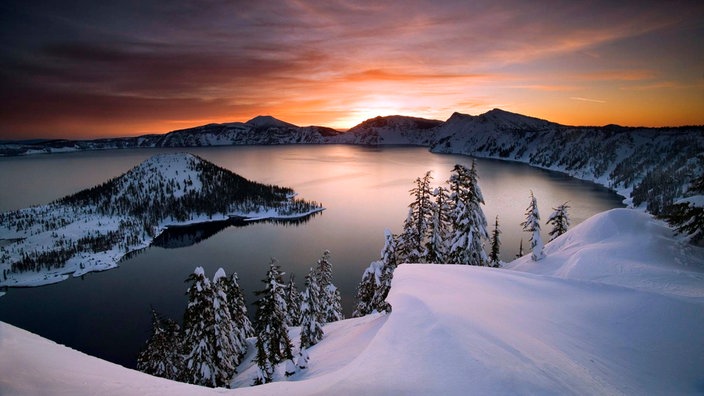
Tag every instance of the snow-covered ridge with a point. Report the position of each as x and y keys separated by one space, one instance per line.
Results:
x=647 y=166
x=651 y=167
x=390 y=130
x=564 y=325
x=94 y=228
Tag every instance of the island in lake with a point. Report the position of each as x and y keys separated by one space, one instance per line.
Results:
x=94 y=228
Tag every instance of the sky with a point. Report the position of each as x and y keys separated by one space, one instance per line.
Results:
x=89 y=69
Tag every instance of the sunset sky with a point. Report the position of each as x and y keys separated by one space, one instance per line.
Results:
x=87 y=69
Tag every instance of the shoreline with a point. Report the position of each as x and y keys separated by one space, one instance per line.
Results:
x=85 y=263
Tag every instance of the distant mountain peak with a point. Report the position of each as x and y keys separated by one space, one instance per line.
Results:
x=269 y=121
x=397 y=120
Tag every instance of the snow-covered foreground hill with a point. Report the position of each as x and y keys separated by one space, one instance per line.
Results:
x=616 y=307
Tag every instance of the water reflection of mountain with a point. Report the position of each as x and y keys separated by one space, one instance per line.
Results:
x=183 y=236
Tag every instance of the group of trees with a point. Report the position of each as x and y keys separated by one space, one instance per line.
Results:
x=136 y=205
x=687 y=215
x=212 y=342
x=213 y=339
x=446 y=225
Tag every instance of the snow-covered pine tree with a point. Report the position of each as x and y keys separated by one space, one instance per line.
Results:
x=161 y=355
x=333 y=306
x=224 y=333
x=376 y=280
x=371 y=280
x=406 y=249
x=330 y=299
x=198 y=335
x=273 y=344
x=238 y=311
x=494 y=259
x=468 y=220
x=437 y=245
x=687 y=215
x=560 y=221
x=303 y=358
x=323 y=270
x=293 y=303
x=416 y=229
x=532 y=225
x=311 y=328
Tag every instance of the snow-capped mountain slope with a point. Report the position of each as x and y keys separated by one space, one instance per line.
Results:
x=390 y=130
x=648 y=166
x=651 y=166
x=269 y=121
x=577 y=322
x=92 y=229
x=259 y=130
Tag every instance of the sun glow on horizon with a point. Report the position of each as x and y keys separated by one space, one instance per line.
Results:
x=334 y=65
x=376 y=107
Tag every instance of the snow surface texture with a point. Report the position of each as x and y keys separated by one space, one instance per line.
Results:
x=616 y=307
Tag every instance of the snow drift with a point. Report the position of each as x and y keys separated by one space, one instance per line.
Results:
x=616 y=307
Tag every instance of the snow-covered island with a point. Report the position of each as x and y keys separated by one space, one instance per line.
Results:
x=94 y=228
x=615 y=307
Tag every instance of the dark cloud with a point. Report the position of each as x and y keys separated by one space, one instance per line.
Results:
x=141 y=64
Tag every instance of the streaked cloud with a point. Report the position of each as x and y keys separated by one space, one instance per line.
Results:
x=125 y=68
x=587 y=99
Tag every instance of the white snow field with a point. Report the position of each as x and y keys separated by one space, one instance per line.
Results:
x=615 y=307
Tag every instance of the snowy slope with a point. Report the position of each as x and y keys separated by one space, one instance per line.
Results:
x=594 y=251
x=651 y=166
x=259 y=130
x=582 y=323
x=399 y=130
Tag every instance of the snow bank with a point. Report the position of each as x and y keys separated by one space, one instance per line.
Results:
x=616 y=307
x=623 y=247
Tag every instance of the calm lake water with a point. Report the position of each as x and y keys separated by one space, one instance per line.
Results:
x=364 y=190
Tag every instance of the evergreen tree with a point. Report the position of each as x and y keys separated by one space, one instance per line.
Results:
x=560 y=221
x=468 y=221
x=226 y=349
x=311 y=328
x=368 y=286
x=376 y=281
x=440 y=232
x=273 y=344
x=412 y=242
x=324 y=270
x=408 y=252
x=293 y=303
x=494 y=259
x=332 y=310
x=238 y=311
x=303 y=358
x=330 y=299
x=687 y=215
x=198 y=332
x=161 y=355
x=532 y=225
x=241 y=325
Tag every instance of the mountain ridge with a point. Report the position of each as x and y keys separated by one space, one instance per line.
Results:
x=648 y=166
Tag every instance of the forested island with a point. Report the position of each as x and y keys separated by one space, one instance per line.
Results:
x=94 y=228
